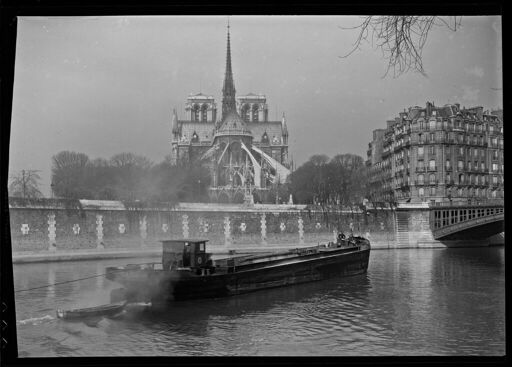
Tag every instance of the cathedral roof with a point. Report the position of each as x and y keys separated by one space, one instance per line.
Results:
x=233 y=124
x=272 y=128
x=205 y=131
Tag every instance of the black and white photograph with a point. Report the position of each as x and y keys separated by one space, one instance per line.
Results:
x=257 y=185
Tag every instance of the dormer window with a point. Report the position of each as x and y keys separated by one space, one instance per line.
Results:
x=195 y=137
x=264 y=138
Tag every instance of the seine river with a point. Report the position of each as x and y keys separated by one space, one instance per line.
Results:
x=411 y=302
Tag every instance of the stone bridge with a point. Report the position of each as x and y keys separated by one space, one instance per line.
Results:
x=467 y=222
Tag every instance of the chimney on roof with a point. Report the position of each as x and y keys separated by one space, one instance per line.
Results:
x=429 y=109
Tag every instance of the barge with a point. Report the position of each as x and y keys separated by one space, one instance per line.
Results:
x=187 y=271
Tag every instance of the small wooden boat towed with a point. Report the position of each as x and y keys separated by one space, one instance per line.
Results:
x=111 y=309
x=187 y=271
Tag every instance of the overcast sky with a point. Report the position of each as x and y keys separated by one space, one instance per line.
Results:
x=106 y=85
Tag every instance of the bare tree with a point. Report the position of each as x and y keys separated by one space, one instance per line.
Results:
x=25 y=184
x=401 y=39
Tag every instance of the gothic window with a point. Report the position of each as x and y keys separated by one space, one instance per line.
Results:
x=255 y=112
x=246 y=111
x=204 y=112
x=195 y=112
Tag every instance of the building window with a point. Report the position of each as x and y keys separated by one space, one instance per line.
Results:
x=493 y=194
x=495 y=180
x=421 y=165
x=420 y=151
x=459 y=192
x=448 y=178
x=495 y=167
x=469 y=166
x=432 y=137
x=432 y=124
x=432 y=165
x=491 y=128
x=421 y=192
x=475 y=152
x=421 y=179
x=433 y=191
x=495 y=155
x=461 y=178
x=431 y=150
x=432 y=179
x=460 y=165
x=461 y=150
x=448 y=164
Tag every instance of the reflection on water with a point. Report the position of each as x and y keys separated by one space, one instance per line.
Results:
x=411 y=302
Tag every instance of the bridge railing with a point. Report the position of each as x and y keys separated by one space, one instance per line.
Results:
x=441 y=218
x=469 y=203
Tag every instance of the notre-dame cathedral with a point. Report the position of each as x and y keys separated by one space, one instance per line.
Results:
x=246 y=154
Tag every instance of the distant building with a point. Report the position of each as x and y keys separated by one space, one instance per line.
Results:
x=438 y=154
x=245 y=152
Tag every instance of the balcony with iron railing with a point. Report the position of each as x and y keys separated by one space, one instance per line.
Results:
x=420 y=169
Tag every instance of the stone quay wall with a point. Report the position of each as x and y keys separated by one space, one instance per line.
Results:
x=53 y=224
x=56 y=224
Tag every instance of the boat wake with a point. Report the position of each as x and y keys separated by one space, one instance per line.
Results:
x=35 y=320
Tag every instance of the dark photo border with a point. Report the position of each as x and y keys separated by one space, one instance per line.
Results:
x=11 y=9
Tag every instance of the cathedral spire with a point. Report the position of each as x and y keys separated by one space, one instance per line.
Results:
x=228 y=89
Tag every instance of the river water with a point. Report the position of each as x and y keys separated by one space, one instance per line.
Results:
x=411 y=302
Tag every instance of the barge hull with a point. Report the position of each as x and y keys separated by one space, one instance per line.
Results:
x=161 y=286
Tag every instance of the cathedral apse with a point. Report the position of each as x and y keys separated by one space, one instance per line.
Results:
x=246 y=154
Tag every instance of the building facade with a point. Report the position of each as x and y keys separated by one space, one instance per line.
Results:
x=246 y=154
x=437 y=154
